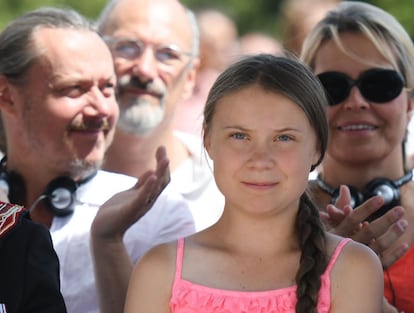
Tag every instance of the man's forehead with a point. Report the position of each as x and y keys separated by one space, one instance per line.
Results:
x=76 y=50
x=158 y=20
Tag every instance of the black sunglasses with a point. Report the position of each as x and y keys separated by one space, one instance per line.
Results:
x=375 y=85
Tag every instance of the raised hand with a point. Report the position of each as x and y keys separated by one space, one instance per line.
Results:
x=121 y=211
x=381 y=235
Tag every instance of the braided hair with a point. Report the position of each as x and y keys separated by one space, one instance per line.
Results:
x=287 y=76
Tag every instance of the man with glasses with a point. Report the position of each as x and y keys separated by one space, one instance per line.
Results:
x=154 y=44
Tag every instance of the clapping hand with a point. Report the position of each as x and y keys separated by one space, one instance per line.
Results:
x=381 y=234
x=125 y=208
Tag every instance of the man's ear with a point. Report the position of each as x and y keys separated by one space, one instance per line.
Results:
x=207 y=144
x=6 y=94
x=410 y=102
x=191 y=79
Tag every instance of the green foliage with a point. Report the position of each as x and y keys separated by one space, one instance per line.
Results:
x=403 y=10
x=10 y=9
x=250 y=15
x=263 y=14
x=259 y=15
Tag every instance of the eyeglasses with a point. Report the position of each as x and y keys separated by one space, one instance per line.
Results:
x=375 y=85
x=131 y=49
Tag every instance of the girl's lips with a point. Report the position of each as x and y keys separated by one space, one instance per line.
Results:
x=260 y=185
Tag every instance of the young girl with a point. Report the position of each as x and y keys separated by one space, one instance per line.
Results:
x=265 y=129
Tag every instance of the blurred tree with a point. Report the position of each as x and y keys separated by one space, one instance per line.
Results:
x=258 y=15
x=403 y=10
x=10 y=9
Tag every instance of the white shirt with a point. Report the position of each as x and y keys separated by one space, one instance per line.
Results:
x=194 y=180
x=168 y=219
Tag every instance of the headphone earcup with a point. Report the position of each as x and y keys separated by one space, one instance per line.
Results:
x=14 y=187
x=60 y=195
x=387 y=190
x=357 y=197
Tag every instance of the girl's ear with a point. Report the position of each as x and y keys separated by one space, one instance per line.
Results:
x=316 y=160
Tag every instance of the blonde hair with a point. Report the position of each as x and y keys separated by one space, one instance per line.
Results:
x=379 y=27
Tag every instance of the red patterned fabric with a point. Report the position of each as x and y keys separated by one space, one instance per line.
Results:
x=9 y=216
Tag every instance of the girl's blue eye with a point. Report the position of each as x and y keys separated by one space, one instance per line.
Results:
x=284 y=138
x=238 y=136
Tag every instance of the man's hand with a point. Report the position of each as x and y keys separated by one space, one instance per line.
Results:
x=380 y=235
x=121 y=211
x=109 y=226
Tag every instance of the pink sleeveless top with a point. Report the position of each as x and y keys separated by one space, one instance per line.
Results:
x=188 y=297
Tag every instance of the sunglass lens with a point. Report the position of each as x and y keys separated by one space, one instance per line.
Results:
x=336 y=85
x=379 y=85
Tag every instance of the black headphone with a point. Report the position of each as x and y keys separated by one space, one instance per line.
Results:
x=59 y=195
x=383 y=187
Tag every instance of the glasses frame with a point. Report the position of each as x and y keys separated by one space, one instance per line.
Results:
x=141 y=47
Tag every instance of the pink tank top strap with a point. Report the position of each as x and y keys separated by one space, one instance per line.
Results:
x=179 y=259
x=336 y=253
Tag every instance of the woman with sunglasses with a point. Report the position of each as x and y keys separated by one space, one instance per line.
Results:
x=365 y=61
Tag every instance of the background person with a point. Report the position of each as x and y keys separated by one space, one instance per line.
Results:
x=155 y=46
x=365 y=60
x=29 y=267
x=218 y=48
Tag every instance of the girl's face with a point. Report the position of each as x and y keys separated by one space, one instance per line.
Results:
x=263 y=147
x=362 y=131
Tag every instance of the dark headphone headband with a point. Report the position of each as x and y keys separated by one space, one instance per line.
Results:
x=380 y=186
x=59 y=195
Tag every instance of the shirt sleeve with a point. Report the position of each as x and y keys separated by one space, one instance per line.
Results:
x=42 y=292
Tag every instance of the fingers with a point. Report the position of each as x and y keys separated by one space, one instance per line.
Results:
x=391 y=255
x=382 y=234
x=336 y=215
x=344 y=196
x=385 y=230
x=362 y=212
x=162 y=171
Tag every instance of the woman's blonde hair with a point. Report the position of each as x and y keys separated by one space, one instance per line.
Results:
x=381 y=28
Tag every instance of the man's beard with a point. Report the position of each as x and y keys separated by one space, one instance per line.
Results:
x=138 y=115
x=81 y=168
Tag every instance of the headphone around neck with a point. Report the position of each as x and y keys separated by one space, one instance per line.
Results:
x=59 y=195
x=384 y=187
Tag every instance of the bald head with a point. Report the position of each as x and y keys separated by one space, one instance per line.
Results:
x=165 y=17
x=218 y=39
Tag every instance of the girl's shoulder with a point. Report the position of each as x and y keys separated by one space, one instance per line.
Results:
x=349 y=249
x=356 y=273
x=353 y=259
